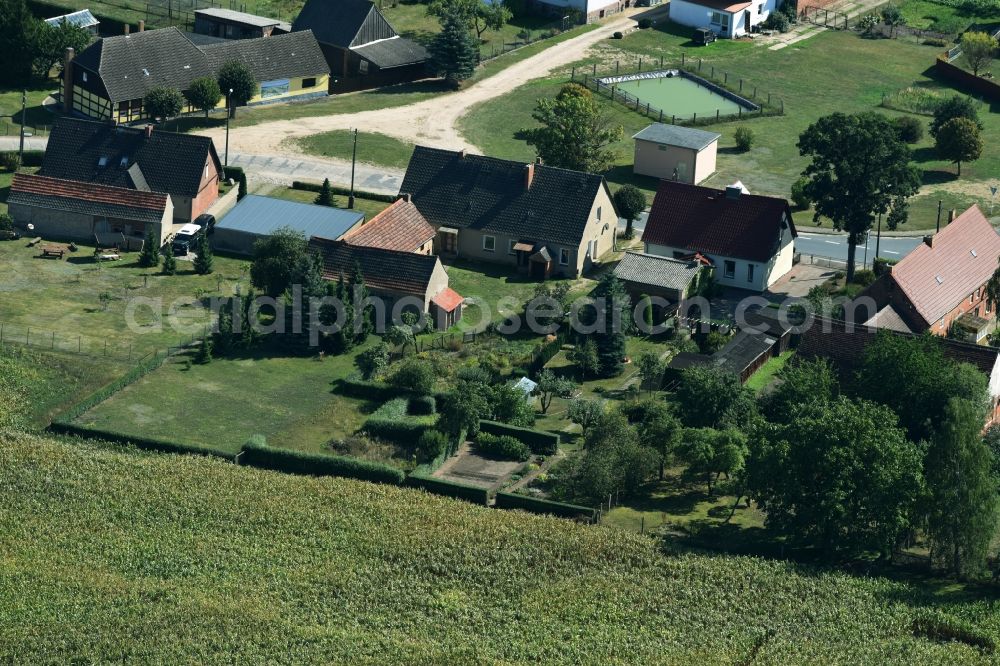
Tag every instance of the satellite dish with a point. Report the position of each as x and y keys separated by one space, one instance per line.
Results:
x=31 y=227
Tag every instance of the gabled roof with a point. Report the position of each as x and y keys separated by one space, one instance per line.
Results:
x=263 y=216
x=392 y=52
x=399 y=227
x=464 y=191
x=132 y=65
x=648 y=269
x=80 y=19
x=675 y=135
x=87 y=198
x=169 y=162
x=344 y=23
x=448 y=299
x=721 y=5
x=707 y=220
x=889 y=317
x=236 y=17
x=383 y=270
x=961 y=258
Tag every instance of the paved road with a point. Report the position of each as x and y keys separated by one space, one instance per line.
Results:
x=835 y=246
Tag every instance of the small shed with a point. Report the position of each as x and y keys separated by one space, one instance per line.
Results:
x=81 y=19
x=671 y=152
x=743 y=355
x=526 y=386
x=651 y=275
x=257 y=217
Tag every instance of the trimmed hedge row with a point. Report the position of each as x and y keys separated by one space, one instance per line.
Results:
x=539 y=441
x=100 y=395
x=32 y=158
x=423 y=405
x=393 y=422
x=299 y=462
x=451 y=489
x=139 y=442
x=503 y=446
x=344 y=191
x=369 y=390
x=545 y=353
x=237 y=174
x=546 y=507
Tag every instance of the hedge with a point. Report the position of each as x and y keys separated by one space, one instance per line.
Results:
x=539 y=441
x=535 y=505
x=472 y=494
x=423 y=405
x=392 y=422
x=299 y=462
x=138 y=371
x=237 y=174
x=344 y=191
x=502 y=446
x=139 y=442
x=369 y=390
x=545 y=353
x=32 y=158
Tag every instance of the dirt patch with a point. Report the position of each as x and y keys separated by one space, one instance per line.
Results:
x=473 y=469
x=798 y=281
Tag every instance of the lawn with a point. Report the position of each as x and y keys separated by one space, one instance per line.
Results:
x=36 y=118
x=373 y=148
x=369 y=207
x=207 y=558
x=59 y=304
x=800 y=75
x=946 y=18
x=289 y=400
x=769 y=371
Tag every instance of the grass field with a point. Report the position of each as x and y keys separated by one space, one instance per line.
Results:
x=373 y=148
x=801 y=76
x=369 y=207
x=210 y=561
x=42 y=297
x=289 y=400
x=950 y=19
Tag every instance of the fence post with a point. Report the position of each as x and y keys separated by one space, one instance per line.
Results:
x=739 y=111
x=616 y=67
x=1 y=334
x=694 y=118
x=130 y=352
x=712 y=75
x=755 y=92
x=53 y=339
x=595 y=69
x=682 y=59
x=741 y=85
x=725 y=77
x=661 y=115
x=640 y=63
x=782 y=107
x=716 y=115
x=661 y=60
x=673 y=119
x=769 y=99
x=27 y=337
x=79 y=344
x=699 y=64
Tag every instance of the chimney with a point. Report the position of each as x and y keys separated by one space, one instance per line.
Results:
x=929 y=241
x=127 y=26
x=68 y=79
x=142 y=25
x=149 y=130
x=404 y=196
x=951 y=215
x=461 y=154
x=733 y=192
x=529 y=175
x=538 y=160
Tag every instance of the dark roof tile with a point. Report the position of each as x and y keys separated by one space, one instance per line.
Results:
x=87 y=198
x=383 y=270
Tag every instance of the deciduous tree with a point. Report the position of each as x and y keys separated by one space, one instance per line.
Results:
x=163 y=102
x=372 y=361
x=629 y=202
x=236 y=76
x=958 y=141
x=585 y=412
x=203 y=94
x=978 y=49
x=274 y=259
x=709 y=397
x=574 y=133
x=955 y=106
x=51 y=43
x=551 y=385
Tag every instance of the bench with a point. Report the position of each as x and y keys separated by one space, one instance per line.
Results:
x=108 y=256
x=34 y=241
x=53 y=251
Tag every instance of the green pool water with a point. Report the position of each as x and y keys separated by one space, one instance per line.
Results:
x=679 y=97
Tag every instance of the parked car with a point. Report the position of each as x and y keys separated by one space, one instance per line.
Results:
x=187 y=238
x=206 y=222
x=704 y=36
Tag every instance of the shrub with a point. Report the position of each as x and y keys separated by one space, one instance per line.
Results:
x=368 y=390
x=391 y=422
x=6 y=222
x=10 y=161
x=744 y=138
x=539 y=441
x=777 y=21
x=544 y=507
x=432 y=443
x=799 y=196
x=502 y=446
x=617 y=35
x=910 y=129
x=422 y=405
x=882 y=265
x=299 y=462
x=645 y=24
x=360 y=194
x=935 y=41
x=864 y=277
x=414 y=375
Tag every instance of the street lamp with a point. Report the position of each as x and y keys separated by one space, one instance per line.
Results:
x=354 y=157
x=229 y=112
x=24 y=103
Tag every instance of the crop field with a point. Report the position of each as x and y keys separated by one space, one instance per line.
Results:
x=208 y=559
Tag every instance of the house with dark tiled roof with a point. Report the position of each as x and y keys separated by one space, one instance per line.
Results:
x=361 y=47
x=110 y=78
x=183 y=166
x=941 y=285
x=748 y=238
x=401 y=280
x=73 y=210
x=539 y=219
x=399 y=227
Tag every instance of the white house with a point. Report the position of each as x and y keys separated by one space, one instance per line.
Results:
x=748 y=238
x=594 y=10
x=725 y=17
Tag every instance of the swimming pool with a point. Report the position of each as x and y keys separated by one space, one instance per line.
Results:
x=679 y=94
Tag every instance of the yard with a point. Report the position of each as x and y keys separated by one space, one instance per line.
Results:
x=373 y=148
x=369 y=207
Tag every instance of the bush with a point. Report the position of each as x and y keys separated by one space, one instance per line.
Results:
x=864 y=277
x=473 y=494
x=502 y=446
x=10 y=161
x=344 y=191
x=777 y=21
x=31 y=158
x=240 y=177
x=744 y=138
x=617 y=35
x=422 y=405
x=882 y=265
x=414 y=375
x=539 y=441
x=368 y=390
x=645 y=24
x=315 y=464
x=544 y=507
x=909 y=129
x=432 y=443
x=799 y=196
x=935 y=41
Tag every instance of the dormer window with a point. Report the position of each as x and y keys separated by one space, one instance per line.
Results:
x=145 y=71
x=102 y=161
x=124 y=162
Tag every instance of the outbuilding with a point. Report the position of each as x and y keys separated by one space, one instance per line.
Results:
x=683 y=154
x=258 y=217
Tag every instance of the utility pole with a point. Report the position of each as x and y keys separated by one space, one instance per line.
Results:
x=24 y=104
x=878 y=236
x=354 y=158
x=939 y=218
x=229 y=112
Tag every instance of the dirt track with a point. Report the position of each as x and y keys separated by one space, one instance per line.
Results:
x=431 y=122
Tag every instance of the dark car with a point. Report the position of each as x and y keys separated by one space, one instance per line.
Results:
x=704 y=36
x=206 y=222
x=187 y=239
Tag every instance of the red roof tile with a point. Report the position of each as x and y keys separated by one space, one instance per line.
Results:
x=93 y=192
x=962 y=257
x=703 y=219
x=448 y=299
x=399 y=227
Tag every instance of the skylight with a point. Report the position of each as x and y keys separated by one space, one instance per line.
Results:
x=939 y=279
x=973 y=253
x=145 y=71
x=102 y=161
x=124 y=162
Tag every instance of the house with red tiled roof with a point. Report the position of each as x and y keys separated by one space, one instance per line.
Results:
x=726 y=18
x=941 y=285
x=74 y=210
x=399 y=227
x=748 y=238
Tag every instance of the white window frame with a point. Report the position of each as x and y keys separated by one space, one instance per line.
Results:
x=510 y=246
x=362 y=67
x=564 y=256
x=720 y=19
x=750 y=272
x=726 y=266
x=492 y=243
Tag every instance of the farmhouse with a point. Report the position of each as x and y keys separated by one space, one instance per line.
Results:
x=399 y=227
x=747 y=237
x=941 y=285
x=230 y=24
x=81 y=19
x=402 y=280
x=651 y=275
x=109 y=78
x=541 y=220
x=78 y=211
x=257 y=217
x=590 y=10
x=361 y=47
x=725 y=18
x=182 y=165
x=683 y=154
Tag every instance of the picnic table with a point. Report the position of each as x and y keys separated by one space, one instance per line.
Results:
x=56 y=251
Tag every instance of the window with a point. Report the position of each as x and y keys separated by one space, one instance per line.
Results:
x=489 y=243
x=563 y=256
x=598 y=212
x=730 y=269
x=363 y=67
x=510 y=246
x=989 y=308
x=84 y=77
x=749 y=272
x=661 y=147
x=760 y=8
x=309 y=83
x=720 y=19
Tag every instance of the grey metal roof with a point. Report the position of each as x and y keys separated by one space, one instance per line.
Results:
x=674 y=135
x=392 y=52
x=81 y=19
x=656 y=271
x=237 y=17
x=265 y=215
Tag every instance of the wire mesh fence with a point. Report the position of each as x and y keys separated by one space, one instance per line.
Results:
x=129 y=351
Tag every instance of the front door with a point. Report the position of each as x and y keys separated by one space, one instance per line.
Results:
x=746 y=21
